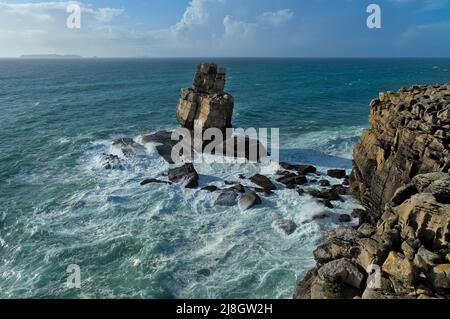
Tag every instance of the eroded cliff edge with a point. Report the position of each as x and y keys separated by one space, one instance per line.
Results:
x=409 y=136
x=401 y=175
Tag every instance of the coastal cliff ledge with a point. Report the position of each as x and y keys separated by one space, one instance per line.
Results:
x=401 y=176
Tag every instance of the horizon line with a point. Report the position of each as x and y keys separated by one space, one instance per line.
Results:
x=74 y=57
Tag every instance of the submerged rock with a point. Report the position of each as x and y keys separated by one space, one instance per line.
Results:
x=227 y=199
x=249 y=200
x=127 y=147
x=111 y=162
x=288 y=227
x=153 y=181
x=210 y=188
x=345 y=218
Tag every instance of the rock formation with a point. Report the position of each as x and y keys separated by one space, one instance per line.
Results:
x=409 y=136
x=401 y=175
x=206 y=102
x=204 y=106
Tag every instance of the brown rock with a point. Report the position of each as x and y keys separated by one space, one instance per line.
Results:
x=399 y=146
x=400 y=267
x=263 y=182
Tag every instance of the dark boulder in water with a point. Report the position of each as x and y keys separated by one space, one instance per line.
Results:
x=249 y=200
x=164 y=144
x=328 y=204
x=325 y=183
x=287 y=226
x=227 y=199
x=337 y=173
x=301 y=169
x=185 y=175
x=263 y=182
x=153 y=181
x=345 y=218
x=111 y=162
x=292 y=181
x=210 y=188
x=204 y=272
x=237 y=188
x=326 y=194
x=306 y=169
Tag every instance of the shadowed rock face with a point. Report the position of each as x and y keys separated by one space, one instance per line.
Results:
x=409 y=136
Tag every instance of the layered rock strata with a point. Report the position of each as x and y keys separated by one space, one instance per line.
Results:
x=206 y=102
x=409 y=136
x=401 y=248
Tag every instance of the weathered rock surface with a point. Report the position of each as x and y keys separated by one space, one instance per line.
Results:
x=401 y=175
x=206 y=102
x=409 y=136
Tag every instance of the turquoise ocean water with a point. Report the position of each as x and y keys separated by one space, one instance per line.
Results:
x=58 y=206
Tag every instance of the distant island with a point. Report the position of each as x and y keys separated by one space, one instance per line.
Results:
x=51 y=56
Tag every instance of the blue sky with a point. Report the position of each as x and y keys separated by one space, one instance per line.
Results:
x=222 y=28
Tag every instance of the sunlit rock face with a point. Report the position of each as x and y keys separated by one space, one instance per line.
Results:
x=409 y=136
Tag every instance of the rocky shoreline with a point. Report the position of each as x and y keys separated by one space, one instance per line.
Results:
x=400 y=250
x=401 y=166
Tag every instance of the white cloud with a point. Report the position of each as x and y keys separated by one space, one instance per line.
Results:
x=207 y=27
x=107 y=14
x=237 y=29
x=276 y=18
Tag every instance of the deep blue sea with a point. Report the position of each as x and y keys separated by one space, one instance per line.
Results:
x=58 y=206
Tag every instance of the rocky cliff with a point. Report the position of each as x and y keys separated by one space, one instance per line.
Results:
x=401 y=175
x=409 y=136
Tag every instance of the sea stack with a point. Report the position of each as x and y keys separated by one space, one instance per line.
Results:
x=206 y=102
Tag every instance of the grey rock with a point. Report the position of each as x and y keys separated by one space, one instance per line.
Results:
x=263 y=182
x=227 y=199
x=342 y=271
x=287 y=226
x=249 y=200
